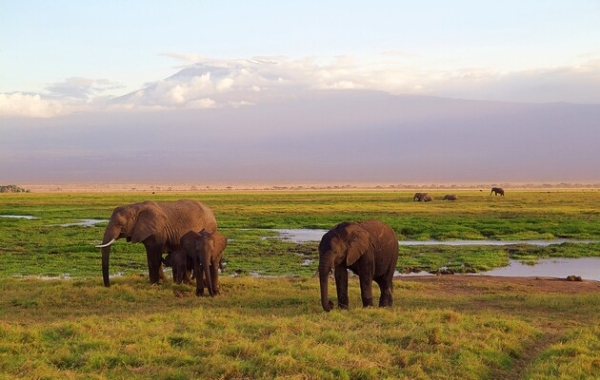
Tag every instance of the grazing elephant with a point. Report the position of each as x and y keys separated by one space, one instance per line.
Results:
x=422 y=197
x=205 y=249
x=182 y=266
x=369 y=249
x=157 y=225
x=497 y=190
x=450 y=197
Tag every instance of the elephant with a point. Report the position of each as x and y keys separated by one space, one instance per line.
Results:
x=422 y=197
x=205 y=249
x=497 y=190
x=157 y=225
x=182 y=266
x=450 y=197
x=369 y=249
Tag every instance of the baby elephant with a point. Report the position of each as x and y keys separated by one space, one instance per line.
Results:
x=206 y=251
x=182 y=266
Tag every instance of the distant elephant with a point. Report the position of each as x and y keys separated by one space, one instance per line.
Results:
x=369 y=249
x=157 y=225
x=497 y=190
x=205 y=249
x=422 y=197
x=450 y=197
x=181 y=265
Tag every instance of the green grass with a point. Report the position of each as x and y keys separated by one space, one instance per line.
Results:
x=274 y=327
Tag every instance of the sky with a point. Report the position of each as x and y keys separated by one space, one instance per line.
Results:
x=68 y=66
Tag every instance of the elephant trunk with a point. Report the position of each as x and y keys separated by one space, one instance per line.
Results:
x=324 y=270
x=109 y=238
x=206 y=264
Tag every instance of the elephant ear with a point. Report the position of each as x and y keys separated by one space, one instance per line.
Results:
x=150 y=221
x=220 y=244
x=359 y=242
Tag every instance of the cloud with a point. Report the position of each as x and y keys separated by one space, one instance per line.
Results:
x=215 y=83
x=29 y=105
x=81 y=88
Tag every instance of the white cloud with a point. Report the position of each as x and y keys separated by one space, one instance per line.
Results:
x=209 y=83
x=31 y=105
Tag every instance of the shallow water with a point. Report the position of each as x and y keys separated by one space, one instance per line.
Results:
x=587 y=267
x=18 y=216
x=85 y=223
x=305 y=235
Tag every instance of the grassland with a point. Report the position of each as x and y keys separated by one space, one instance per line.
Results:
x=442 y=327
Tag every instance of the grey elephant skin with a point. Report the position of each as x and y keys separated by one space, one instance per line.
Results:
x=422 y=197
x=157 y=225
x=450 y=197
x=369 y=249
x=205 y=248
x=497 y=190
x=181 y=265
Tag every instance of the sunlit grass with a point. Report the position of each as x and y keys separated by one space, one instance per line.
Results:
x=258 y=328
x=274 y=327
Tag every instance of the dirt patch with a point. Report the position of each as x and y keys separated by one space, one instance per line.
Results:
x=459 y=284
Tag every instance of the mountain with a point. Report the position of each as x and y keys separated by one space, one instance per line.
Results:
x=331 y=136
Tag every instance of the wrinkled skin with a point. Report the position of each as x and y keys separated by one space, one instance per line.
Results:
x=450 y=197
x=157 y=225
x=497 y=190
x=181 y=265
x=422 y=197
x=205 y=249
x=369 y=249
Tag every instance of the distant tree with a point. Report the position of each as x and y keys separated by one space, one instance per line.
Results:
x=12 y=189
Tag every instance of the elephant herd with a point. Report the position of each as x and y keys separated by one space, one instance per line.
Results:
x=425 y=197
x=187 y=231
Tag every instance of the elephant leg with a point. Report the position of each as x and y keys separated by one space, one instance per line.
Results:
x=214 y=274
x=154 y=257
x=385 y=286
x=341 y=285
x=366 y=290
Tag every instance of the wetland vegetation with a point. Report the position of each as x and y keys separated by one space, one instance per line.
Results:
x=58 y=321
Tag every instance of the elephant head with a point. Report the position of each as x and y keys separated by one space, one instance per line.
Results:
x=340 y=247
x=136 y=223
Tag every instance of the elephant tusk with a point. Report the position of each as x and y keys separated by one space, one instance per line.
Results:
x=106 y=245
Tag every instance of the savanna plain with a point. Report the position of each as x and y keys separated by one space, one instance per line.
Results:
x=57 y=320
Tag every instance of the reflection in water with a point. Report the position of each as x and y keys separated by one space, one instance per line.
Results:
x=18 y=216
x=586 y=267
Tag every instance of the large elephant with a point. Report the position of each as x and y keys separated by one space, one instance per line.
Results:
x=422 y=197
x=497 y=190
x=205 y=248
x=157 y=225
x=369 y=249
